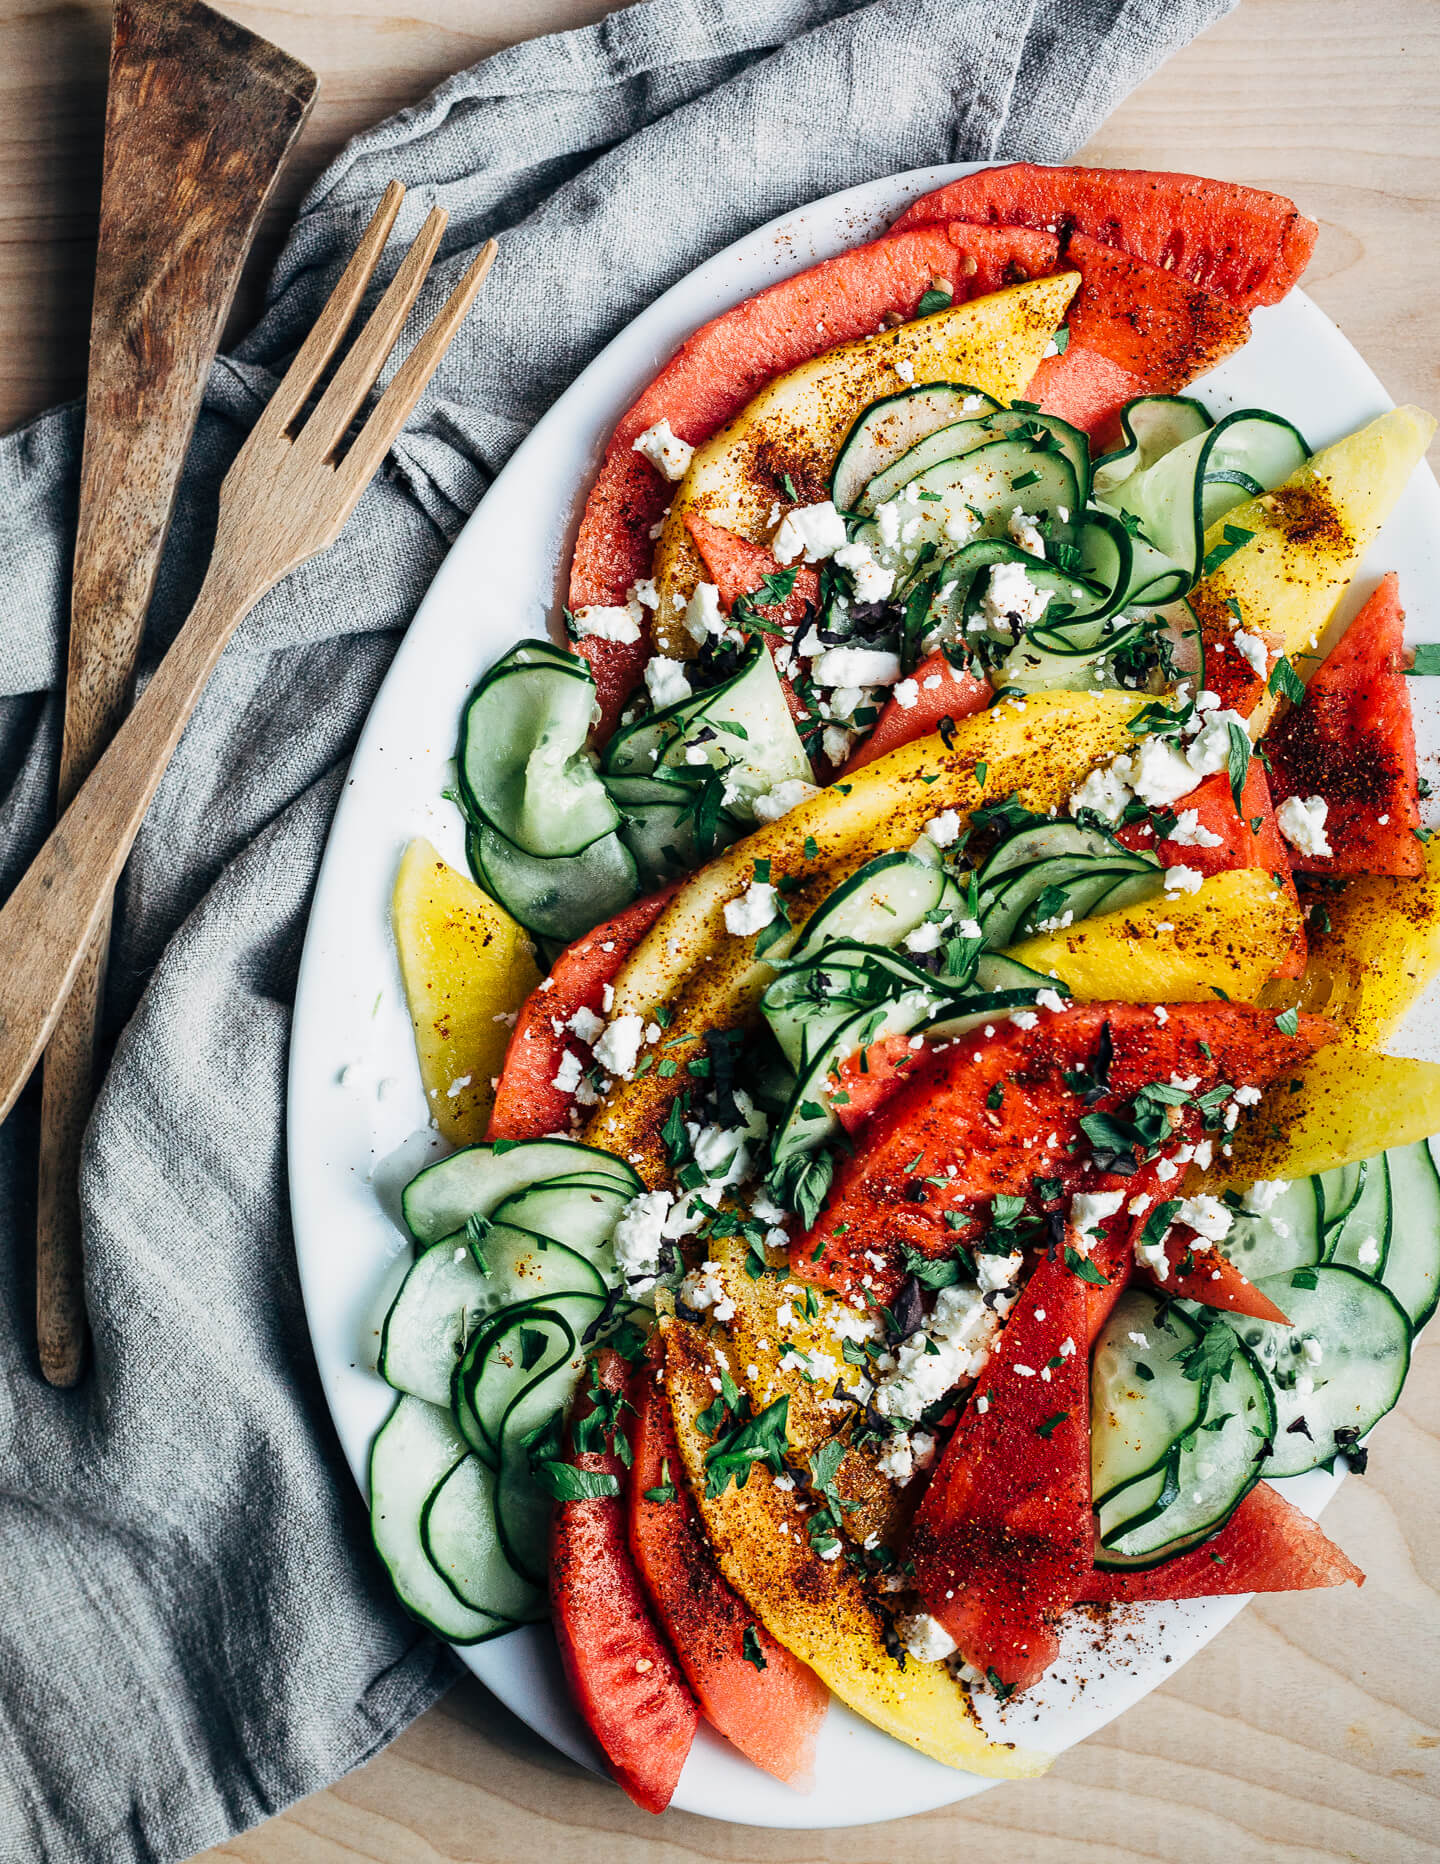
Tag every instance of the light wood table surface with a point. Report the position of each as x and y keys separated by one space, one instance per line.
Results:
x=1308 y=1731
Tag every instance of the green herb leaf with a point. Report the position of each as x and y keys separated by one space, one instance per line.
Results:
x=565 y=1483
x=1286 y=681
x=1288 y=1021
x=750 y=1648
x=1426 y=661
x=1234 y=537
x=934 y=300
x=1051 y=1425
x=1238 y=761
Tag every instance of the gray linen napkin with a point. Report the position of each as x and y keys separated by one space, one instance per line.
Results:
x=193 y=1631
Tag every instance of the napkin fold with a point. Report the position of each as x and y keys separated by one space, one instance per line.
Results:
x=193 y=1629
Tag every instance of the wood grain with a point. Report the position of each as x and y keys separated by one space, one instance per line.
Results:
x=200 y=115
x=1309 y=1732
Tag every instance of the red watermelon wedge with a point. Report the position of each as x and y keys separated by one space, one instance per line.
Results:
x=1352 y=741
x=1267 y=1545
x=1244 y=244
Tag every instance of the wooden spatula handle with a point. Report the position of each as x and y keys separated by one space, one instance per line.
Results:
x=59 y=906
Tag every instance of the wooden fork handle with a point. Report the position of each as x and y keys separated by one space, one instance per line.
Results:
x=59 y=907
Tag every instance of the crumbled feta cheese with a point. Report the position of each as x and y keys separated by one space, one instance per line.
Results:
x=1025 y=533
x=887 y=518
x=905 y=369
x=855 y=666
x=994 y=1272
x=617 y=1049
x=666 y=452
x=1157 y=772
x=1368 y=1254
x=835 y=743
x=587 y=1025
x=1251 y=648
x=665 y=681
x=639 y=1238
x=1105 y=792
x=568 y=1074
x=1010 y=593
x=609 y=624
x=703 y=1290
x=703 y=616
x=1183 y=880
x=644 y=592
x=1207 y=1216
x=906 y=693
x=927 y=936
x=925 y=1637
x=771 y=804
x=1209 y=748
x=814 y=531
x=944 y=829
x=1024 y=1019
x=1051 y=1000
x=1262 y=1194
x=872 y=582
x=1088 y=1210
x=1166 y=1169
x=1188 y=833
x=1302 y=823
x=752 y=911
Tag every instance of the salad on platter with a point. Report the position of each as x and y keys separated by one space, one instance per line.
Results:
x=927 y=1162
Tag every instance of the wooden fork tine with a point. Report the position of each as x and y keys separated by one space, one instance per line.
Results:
x=408 y=383
x=326 y=427
x=330 y=326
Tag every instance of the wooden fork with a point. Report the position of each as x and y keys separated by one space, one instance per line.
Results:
x=284 y=499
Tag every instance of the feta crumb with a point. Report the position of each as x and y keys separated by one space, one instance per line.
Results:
x=1051 y=1000
x=587 y=1025
x=1302 y=823
x=906 y=693
x=665 y=450
x=665 y=681
x=1104 y=791
x=1010 y=593
x=1207 y=1216
x=855 y=666
x=568 y=1075
x=771 y=804
x=1368 y=1254
x=944 y=829
x=1088 y=1210
x=752 y=911
x=703 y=616
x=1157 y=773
x=1262 y=1194
x=1251 y=648
x=925 y=1637
x=905 y=369
x=617 y=1049
x=1182 y=880
x=872 y=583
x=609 y=624
x=1187 y=832
x=814 y=531
x=1025 y=533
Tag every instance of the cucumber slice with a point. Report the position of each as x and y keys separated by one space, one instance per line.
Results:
x=662 y=838
x=555 y=899
x=742 y=727
x=809 y=1119
x=522 y=763
x=1050 y=888
x=810 y=999
x=1362 y=1337
x=1043 y=841
x=889 y=428
x=471 y=1182
x=1412 y=1267
x=1339 y=1194
x=521 y=1266
x=974 y=1011
x=580 y=1215
x=1362 y=1239
x=1141 y=1403
x=440 y=1303
x=1194 y=484
x=1152 y=426
x=994 y=971
x=953 y=442
x=535 y=1348
x=458 y=1533
x=985 y=485
x=416 y=1449
x=1285 y=1236
x=878 y=905
x=1209 y=1472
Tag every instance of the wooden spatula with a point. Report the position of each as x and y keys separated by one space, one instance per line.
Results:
x=201 y=117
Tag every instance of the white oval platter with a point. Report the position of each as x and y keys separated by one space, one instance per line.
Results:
x=357 y=1117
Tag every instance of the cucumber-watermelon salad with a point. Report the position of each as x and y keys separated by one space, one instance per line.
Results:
x=950 y=899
